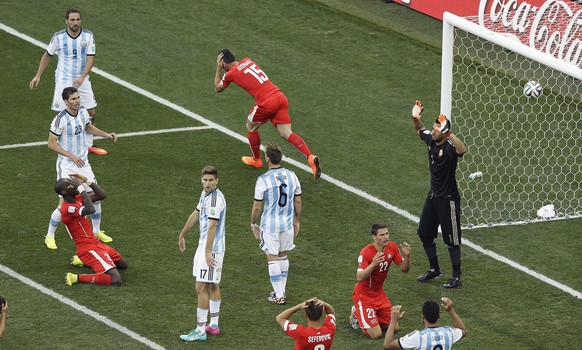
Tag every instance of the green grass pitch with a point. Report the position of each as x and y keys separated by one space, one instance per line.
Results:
x=351 y=70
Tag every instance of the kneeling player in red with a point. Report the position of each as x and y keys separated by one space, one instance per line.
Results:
x=316 y=335
x=372 y=308
x=103 y=259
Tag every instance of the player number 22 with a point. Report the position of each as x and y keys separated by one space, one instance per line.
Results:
x=257 y=73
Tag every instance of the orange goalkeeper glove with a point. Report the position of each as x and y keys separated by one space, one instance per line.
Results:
x=445 y=125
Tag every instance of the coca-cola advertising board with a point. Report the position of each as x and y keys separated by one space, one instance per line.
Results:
x=550 y=26
x=462 y=8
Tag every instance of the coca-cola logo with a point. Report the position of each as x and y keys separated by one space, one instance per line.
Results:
x=554 y=28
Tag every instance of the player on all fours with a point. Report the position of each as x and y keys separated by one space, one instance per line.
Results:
x=103 y=259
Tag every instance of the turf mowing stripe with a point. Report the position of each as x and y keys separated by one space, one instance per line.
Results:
x=301 y=165
x=63 y=299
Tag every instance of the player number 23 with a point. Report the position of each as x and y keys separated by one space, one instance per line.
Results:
x=257 y=73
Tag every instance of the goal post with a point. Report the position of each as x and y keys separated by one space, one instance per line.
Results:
x=528 y=149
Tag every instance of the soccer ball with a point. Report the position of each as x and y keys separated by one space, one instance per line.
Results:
x=532 y=89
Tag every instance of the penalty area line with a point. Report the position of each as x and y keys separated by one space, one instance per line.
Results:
x=126 y=134
x=63 y=299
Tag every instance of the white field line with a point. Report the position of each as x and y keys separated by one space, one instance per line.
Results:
x=304 y=167
x=127 y=134
x=63 y=299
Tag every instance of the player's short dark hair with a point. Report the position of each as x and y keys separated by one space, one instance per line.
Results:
x=376 y=227
x=72 y=10
x=431 y=311
x=2 y=302
x=313 y=311
x=60 y=185
x=67 y=92
x=227 y=56
x=273 y=151
x=209 y=170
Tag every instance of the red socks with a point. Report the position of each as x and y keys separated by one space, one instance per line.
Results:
x=298 y=142
x=97 y=278
x=294 y=139
x=255 y=143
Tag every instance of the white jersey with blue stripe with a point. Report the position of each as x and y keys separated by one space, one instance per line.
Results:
x=277 y=188
x=431 y=338
x=212 y=207
x=72 y=54
x=71 y=132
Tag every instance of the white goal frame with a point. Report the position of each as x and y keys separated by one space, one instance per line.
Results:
x=451 y=23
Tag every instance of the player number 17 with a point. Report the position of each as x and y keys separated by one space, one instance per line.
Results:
x=257 y=73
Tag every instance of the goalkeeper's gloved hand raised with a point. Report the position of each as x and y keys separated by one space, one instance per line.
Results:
x=445 y=125
x=417 y=109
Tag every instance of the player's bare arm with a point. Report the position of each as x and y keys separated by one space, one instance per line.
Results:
x=98 y=132
x=3 y=316
x=88 y=66
x=460 y=147
x=298 y=211
x=285 y=315
x=88 y=207
x=389 y=342
x=192 y=220
x=405 y=264
x=447 y=304
x=44 y=61
x=212 y=226
x=218 y=87
x=98 y=193
x=255 y=214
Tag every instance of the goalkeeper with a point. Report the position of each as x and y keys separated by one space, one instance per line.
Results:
x=442 y=206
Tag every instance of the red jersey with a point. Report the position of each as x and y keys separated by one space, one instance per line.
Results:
x=249 y=76
x=373 y=285
x=309 y=338
x=78 y=226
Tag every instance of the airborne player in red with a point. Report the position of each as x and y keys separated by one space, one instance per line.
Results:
x=270 y=104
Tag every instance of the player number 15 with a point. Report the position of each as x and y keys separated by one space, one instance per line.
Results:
x=257 y=73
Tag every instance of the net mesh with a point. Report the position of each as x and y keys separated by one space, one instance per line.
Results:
x=529 y=149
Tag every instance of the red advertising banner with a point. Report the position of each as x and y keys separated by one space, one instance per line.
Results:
x=463 y=8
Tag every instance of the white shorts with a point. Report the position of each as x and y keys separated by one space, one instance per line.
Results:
x=273 y=243
x=85 y=91
x=202 y=272
x=66 y=169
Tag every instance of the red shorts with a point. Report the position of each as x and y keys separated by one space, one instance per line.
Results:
x=100 y=257
x=275 y=108
x=372 y=312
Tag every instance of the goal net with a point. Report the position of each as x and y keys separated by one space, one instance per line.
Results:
x=528 y=149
